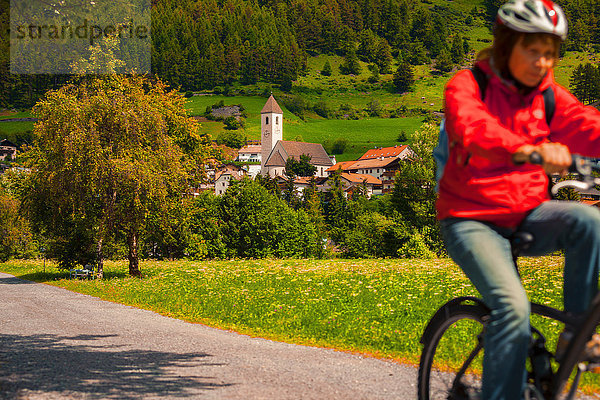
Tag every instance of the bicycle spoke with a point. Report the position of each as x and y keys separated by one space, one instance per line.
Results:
x=454 y=359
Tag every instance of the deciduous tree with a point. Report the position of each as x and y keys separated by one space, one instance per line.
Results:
x=110 y=151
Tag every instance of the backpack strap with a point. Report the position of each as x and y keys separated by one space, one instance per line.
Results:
x=549 y=103
x=481 y=79
x=548 y=94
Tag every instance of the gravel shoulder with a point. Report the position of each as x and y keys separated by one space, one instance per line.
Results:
x=56 y=344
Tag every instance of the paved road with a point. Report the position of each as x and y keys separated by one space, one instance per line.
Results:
x=55 y=344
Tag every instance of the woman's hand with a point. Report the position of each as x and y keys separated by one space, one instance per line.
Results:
x=556 y=156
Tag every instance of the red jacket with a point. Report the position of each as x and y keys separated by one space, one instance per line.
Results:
x=480 y=181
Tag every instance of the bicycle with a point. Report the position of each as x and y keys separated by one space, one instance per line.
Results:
x=458 y=326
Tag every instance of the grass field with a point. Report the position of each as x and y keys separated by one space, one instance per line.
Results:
x=375 y=307
x=361 y=134
x=13 y=127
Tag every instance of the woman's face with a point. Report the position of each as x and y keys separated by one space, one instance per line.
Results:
x=529 y=64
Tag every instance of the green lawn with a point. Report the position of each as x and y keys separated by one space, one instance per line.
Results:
x=362 y=135
x=13 y=127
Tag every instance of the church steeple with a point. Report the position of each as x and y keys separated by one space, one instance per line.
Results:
x=271 y=128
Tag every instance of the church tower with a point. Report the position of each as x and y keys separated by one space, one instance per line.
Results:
x=271 y=130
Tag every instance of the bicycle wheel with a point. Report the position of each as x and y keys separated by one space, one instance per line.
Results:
x=451 y=361
x=565 y=383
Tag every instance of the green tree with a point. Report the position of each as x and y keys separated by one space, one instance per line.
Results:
x=374 y=78
x=374 y=108
x=313 y=206
x=351 y=65
x=110 y=151
x=235 y=139
x=383 y=57
x=339 y=145
x=336 y=208
x=403 y=77
x=585 y=83
x=322 y=108
x=415 y=53
x=579 y=35
x=256 y=223
x=457 y=50
x=443 y=62
x=301 y=167
x=206 y=238
x=15 y=234
x=402 y=137
x=326 y=71
x=414 y=196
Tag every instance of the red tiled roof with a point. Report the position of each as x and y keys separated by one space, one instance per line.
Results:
x=250 y=149
x=303 y=180
x=343 y=165
x=384 y=152
x=360 y=178
x=373 y=163
x=271 y=106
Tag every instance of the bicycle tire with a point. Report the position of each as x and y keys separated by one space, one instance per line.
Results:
x=575 y=349
x=458 y=326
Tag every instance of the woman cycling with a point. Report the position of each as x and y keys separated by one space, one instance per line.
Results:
x=488 y=188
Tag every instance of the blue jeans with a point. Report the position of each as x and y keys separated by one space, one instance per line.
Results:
x=483 y=252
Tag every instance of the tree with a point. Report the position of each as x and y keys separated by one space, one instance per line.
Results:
x=232 y=138
x=585 y=83
x=301 y=167
x=374 y=108
x=403 y=77
x=14 y=229
x=351 y=65
x=457 y=50
x=256 y=223
x=414 y=196
x=374 y=78
x=579 y=35
x=314 y=209
x=339 y=145
x=110 y=151
x=444 y=61
x=402 y=137
x=326 y=71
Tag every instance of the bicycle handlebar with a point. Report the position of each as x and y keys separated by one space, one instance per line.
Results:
x=583 y=166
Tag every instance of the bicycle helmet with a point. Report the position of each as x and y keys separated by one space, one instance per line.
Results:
x=534 y=16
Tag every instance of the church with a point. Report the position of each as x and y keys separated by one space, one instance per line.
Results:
x=275 y=151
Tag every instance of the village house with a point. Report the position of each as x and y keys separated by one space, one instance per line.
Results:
x=8 y=150
x=400 y=152
x=379 y=163
x=225 y=175
x=251 y=155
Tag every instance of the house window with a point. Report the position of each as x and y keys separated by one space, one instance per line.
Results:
x=276 y=120
x=267 y=120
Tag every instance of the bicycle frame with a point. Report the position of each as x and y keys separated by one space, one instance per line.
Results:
x=585 y=328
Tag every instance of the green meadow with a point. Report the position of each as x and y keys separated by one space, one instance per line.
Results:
x=375 y=307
